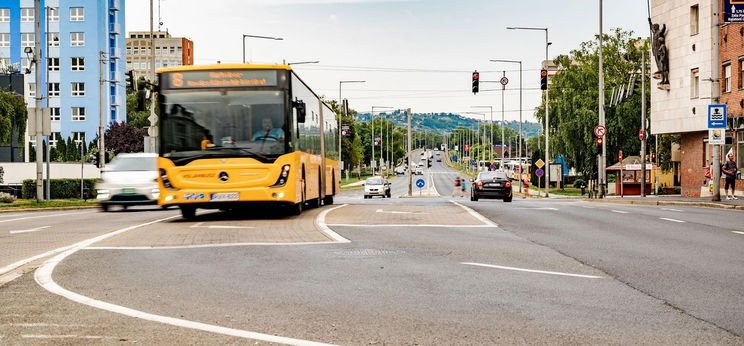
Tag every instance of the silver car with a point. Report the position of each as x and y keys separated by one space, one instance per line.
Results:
x=376 y=186
x=130 y=179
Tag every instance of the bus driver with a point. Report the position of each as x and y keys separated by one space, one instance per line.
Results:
x=268 y=132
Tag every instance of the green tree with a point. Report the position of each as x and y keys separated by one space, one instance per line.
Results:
x=574 y=101
x=13 y=116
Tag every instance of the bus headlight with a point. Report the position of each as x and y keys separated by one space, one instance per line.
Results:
x=282 y=177
x=166 y=182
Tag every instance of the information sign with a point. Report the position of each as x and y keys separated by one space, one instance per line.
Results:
x=420 y=183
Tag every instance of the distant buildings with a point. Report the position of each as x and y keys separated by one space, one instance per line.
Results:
x=169 y=51
x=681 y=105
x=74 y=34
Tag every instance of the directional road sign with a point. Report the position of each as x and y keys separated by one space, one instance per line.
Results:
x=717 y=116
x=420 y=183
x=454 y=158
x=600 y=131
x=539 y=172
x=540 y=163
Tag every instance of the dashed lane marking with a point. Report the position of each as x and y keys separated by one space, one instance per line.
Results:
x=531 y=270
x=619 y=211
x=737 y=232
x=41 y=216
x=539 y=208
x=672 y=220
x=670 y=209
x=28 y=230
x=43 y=277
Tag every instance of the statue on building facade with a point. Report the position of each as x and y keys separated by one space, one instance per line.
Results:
x=659 y=49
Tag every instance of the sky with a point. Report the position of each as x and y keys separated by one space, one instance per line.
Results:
x=416 y=54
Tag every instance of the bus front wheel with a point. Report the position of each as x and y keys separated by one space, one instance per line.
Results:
x=295 y=209
x=188 y=212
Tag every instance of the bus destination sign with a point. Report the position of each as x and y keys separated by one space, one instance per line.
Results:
x=221 y=79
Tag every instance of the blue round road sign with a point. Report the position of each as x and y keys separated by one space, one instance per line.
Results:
x=420 y=183
x=454 y=158
x=539 y=172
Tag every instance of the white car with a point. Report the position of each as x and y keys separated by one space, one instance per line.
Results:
x=400 y=170
x=376 y=186
x=420 y=170
x=130 y=179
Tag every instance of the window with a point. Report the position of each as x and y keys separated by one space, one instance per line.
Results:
x=4 y=40
x=77 y=39
x=173 y=50
x=740 y=150
x=78 y=89
x=78 y=64
x=27 y=39
x=78 y=137
x=54 y=137
x=4 y=14
x=129 y=50
x=78 y=113
x=31 y=89
x=727 y=77
x=27 y=14
x=694 y=83
x=53 y=39
x=53 y=89
x=53 y=64
x=53 y=14
x=77 y=14
x=741 y=72
x=694 y=20
x=55 y=113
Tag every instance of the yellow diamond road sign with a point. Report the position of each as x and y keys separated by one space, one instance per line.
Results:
x=540 y=163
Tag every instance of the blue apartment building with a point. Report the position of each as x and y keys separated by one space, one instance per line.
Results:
x=74 y=33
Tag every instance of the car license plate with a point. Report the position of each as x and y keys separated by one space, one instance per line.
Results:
x=494 y=184
x=128 y=190
x=224 y=196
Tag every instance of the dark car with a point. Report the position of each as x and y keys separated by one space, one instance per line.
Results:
x=491 y=184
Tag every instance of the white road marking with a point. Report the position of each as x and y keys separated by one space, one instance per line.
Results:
x=4 y=279
x=476 y=215
x=587 y=207
x=29 y=230
x=409 y=225
x=43 y=277
x=15 y=265
x=398 y=212
x=199 y=225
x=41 y=216
x=619 y=211
x=737 y=232
x=672 y=220
x=204 y=246
x=670 y=209
x=531 y=270
x=539 y=208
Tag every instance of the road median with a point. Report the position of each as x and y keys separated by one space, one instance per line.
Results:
x=669 y=203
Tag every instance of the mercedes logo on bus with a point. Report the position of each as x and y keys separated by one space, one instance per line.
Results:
x=224 y=176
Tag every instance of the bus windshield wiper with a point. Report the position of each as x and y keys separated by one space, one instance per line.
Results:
x=243 y=151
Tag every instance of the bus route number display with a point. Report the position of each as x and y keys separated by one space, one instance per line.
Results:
x=221 y=79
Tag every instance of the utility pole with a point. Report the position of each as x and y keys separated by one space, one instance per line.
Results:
x=153 y=129
x=503 y=88
x=602 y=160
x=48 y=149
x=37 y=110
x=410 y=160
x=102 y=117
x=715 y=96
x=643 y=120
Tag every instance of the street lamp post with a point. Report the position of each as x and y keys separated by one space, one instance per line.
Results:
x=373 y=136
x=303 y=62
x=519 y=157
x=341 y=106
x=547 y=113
x=255 y=36
x=491 y=131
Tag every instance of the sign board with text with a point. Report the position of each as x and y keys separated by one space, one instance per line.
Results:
x=733 y=11
x=717 y=136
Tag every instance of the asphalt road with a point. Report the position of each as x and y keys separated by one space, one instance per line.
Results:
x=414 y=271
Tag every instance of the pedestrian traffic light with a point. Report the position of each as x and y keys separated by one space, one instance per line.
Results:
x=476 y=80
x=543 y=79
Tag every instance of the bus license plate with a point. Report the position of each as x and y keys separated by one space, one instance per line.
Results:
x=224 y=196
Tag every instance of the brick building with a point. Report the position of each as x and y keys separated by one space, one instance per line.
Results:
x=680 y=107
x=169 y=51
x=731 y=60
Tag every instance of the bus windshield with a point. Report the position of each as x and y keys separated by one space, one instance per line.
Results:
x=217 y=123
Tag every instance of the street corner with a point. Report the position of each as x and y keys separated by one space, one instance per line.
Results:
x=222 y=229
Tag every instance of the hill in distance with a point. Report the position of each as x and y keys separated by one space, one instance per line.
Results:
x=442 y=123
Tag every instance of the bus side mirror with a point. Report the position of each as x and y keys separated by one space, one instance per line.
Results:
x=300 y=106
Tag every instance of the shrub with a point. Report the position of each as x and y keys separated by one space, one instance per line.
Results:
x=6 y=198
x=61 y=188
x=578 y=183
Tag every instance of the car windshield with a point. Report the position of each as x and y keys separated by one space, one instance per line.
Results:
x=132 y=163
x=374 y=181
x=491 y=175
x=233 y=123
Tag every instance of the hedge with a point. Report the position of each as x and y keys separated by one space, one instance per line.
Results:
x=61 y=188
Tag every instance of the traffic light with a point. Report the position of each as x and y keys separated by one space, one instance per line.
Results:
x=94 y=159
x=476 y=80
x=543 y=79
x=599 y=142
x=130 y=82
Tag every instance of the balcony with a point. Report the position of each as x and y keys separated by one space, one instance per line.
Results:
x=115 y=100
x=114 y=5
x=115 y=28
x=115 y=53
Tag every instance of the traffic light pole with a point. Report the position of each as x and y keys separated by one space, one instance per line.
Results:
x=643 y=122
x=547 y=123
x=102 y=117
x=715 y=96
x=602 y=161
x=408 y=155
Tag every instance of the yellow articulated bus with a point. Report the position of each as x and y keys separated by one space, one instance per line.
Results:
x=234 y=135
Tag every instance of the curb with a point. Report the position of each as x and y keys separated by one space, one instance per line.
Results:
x=12 y=209
x=671 y=203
